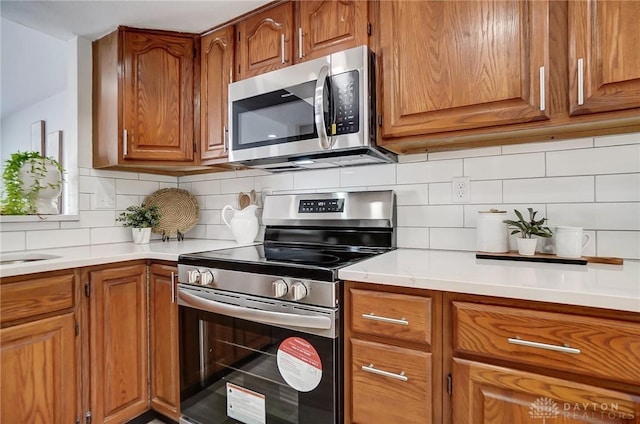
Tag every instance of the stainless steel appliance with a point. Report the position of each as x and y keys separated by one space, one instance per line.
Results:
x=315 y=114
x=260 y=326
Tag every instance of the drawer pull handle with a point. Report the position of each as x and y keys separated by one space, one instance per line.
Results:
x=370 y=368
x=566 y=349
x=374 y=317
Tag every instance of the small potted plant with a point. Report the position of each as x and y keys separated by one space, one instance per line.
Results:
x=527 y=229
x=141 y=219
x=32 y=184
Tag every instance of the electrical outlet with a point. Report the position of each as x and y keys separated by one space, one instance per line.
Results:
x=461 y=189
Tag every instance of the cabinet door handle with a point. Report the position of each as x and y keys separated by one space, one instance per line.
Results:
x=125 y=143
x=370 y=368
x=282 y=47
x=300 y=54
x=374 y=317
x=565 y=349
x=580 y=81
x=542 y=94
x=173 y=287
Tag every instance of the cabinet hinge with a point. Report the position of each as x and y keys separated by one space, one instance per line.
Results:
x=77 y=420
x=87 y=289
x=87 y=417
x=77 y=328
x=379 y=119
x=368 y=28
x=449 y=384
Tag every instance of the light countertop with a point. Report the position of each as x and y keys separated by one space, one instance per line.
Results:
x=73 y=257
x=603 y=286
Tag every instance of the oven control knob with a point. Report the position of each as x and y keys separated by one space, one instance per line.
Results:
x=299 y=291
x=193 y=276
x=206 y=277
x=280 y=288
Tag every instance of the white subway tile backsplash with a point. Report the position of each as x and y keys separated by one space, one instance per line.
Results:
x=428 y=172
x=505 y=167
x=221 y=232
x=30 y=226
x=219 y=175
x=11 y=241
x=141 y=188
x=466 y=153
x=244 y=173
x=236 y=185
x=596 y=216
x=84 y=201
x=618 y=188
x=601 y=160
x=89 y=219
x=440 y=193
x=316 y=179
x=220 y=201
x=430 y=216
x=192 y=178
x=548 y=146
x=549 y=190
x=368 y=175
x=618 y=139
x=621 y=244
x=452 y=238
x=110 y=235
x=159 y=178
x=168 y=185
x=282 y=181
x=123 y=201
x=199 y=232
x=413 y=237
x=58 y=238
x=203 y=188
x=211 y=216
x=409 y=194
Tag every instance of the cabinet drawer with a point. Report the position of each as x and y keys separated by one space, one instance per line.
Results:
x=389 y=384
x=585 y=345
x=31 y=297
x=396 y=316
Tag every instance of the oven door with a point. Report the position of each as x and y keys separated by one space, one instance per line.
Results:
x=278 y=364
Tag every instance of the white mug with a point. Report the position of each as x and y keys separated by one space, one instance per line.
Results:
x=570 y=241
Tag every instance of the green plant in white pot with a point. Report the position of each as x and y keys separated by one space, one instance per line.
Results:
x=32 y=184
x=141 y=219
x=528 y=228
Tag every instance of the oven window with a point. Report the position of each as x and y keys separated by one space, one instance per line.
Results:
x=276 y=117
x=230 y=372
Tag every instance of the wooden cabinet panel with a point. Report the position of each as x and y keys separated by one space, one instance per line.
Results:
x=163 y=340
x=395 y=316
x=462 y=65
x=39 y=371
x=216 y=70
x=486 y=394
x=118 y=343
x=603 y=47
x=327 y=26
x=265 y=41
x=605 y=348
x=382 y=399
x=158 y=96
x=34 y=296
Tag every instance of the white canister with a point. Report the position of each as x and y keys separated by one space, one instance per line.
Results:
x=492 y=235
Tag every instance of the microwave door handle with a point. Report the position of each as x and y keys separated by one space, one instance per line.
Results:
x=256 y=315
x=318 y=102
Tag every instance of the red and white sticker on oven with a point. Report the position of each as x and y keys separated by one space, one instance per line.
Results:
x=299 y=364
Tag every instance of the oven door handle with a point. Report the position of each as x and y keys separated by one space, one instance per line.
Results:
x=256 y=315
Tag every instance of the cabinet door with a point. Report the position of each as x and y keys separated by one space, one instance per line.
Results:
x=163 y=340
x=118 y=343
x=264 y=41
x=158 y=97
x=604 y=40
x=462 y=64
x=38 y=363
x=216 y=70
x=486 y=394
x=327 y=26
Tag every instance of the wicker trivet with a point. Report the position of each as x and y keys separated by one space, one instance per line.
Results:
x=179 y=211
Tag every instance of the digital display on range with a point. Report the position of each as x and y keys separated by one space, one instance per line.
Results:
x=321 y=206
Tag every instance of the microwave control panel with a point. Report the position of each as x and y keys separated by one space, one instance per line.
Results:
x=344 y=88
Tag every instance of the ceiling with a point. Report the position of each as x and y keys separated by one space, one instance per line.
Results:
x=92 y=19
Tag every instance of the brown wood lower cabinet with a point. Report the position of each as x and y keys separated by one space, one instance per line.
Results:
x=118 y=346
x=163 y=340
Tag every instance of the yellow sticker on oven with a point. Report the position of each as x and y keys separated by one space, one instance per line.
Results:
x=299 y=364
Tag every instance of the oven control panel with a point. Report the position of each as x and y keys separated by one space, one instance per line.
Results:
x=321 y=206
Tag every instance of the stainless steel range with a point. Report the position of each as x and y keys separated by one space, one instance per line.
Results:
x=260 y=333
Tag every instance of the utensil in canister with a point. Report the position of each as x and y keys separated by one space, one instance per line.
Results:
x=253 y=197
x=243 y=200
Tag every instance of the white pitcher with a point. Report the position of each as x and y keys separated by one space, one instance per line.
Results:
x=243 y=224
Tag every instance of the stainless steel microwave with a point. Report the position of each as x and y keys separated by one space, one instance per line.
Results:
x=316 y=114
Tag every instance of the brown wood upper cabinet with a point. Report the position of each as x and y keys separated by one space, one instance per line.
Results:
x=461 y=65
x=152 y=76
x=269 y=40
x=603 y=55
x=216 y=72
